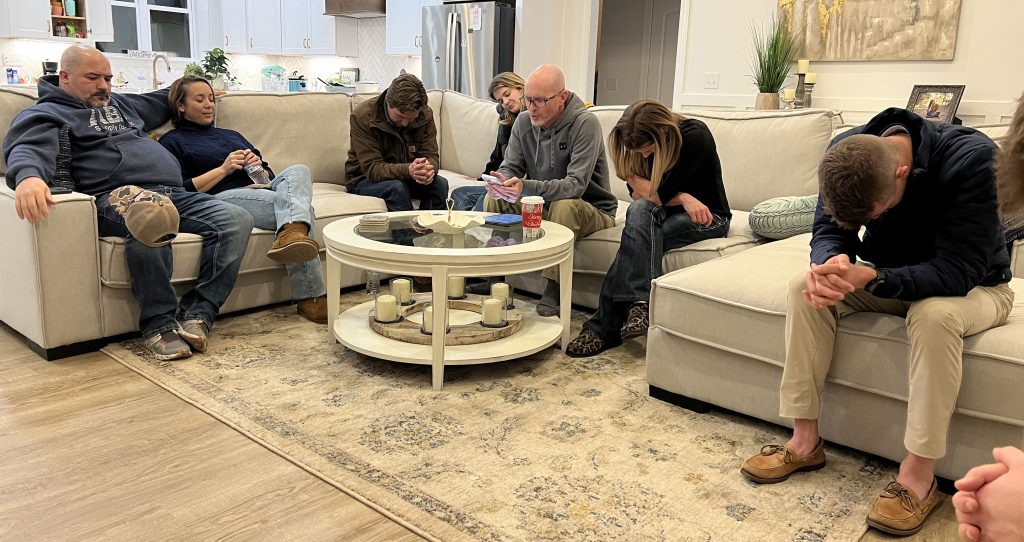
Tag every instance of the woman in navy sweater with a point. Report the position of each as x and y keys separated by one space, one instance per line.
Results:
x=214 y=160
x=670 y=164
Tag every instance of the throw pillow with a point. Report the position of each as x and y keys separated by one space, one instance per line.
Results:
x=779 y=218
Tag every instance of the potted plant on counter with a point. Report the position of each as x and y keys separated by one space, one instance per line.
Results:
x=775 y=49
x=215 y=66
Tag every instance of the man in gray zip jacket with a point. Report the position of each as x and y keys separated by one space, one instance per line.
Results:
x=556 y=151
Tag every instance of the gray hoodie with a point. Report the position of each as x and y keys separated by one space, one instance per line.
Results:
x=564 y=162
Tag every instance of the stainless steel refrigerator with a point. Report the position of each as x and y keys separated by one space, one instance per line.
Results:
x=466 y=44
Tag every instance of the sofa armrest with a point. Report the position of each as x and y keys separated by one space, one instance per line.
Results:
x=49 y=272
x=1017 y=258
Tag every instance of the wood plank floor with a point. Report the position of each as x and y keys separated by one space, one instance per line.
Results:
x=89 y=450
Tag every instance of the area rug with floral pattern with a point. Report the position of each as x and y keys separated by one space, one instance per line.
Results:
x=542 y=448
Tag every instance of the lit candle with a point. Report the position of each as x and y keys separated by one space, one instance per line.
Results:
x=802 y=65
x=811 y=78
x=789 y=94
x=500 y=291
x=456 y=286
x=428 y=319
x=401 y=289
x=387 y=308
x=491 y=311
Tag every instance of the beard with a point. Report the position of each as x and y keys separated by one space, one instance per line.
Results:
x=100 y=99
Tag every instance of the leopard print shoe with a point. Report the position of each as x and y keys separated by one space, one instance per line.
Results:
x=587 y=343
x=637 y=321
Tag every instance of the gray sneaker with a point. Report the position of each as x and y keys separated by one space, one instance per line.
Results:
x=194 y=333
x=167 y=346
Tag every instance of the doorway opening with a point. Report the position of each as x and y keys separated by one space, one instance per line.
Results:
x=636 y=55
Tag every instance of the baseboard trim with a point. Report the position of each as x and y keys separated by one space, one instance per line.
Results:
x=698 y=406
x=67 y=350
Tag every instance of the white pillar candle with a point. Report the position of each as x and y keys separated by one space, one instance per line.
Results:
x=387 y=308
x=428 y=319
x=456 y=286
x=500 y=290
x=811 y=78
x=491 y=311
x=802 y=65
x=401 y=289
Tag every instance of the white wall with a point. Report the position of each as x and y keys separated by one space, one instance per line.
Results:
x=715 y=37
x=560 y=32
x=619 y=52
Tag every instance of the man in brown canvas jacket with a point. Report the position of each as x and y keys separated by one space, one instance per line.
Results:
x=394 y=154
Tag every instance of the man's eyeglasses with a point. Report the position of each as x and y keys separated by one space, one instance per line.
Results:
x=538 y=102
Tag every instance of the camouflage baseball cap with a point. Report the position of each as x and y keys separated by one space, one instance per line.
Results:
x=151 y=218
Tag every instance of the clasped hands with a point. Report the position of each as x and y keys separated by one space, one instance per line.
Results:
x=990 y=501
x=828 y=283
x=238 y=160
x=422 y=171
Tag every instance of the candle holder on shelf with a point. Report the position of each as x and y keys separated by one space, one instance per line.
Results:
x=493 y=312
x=386 y=309
x=798 y=98
x=788 y=97
x=427 y=326
x=457 y=288
x=504 y=290
x=808 y=89
x=401 y=288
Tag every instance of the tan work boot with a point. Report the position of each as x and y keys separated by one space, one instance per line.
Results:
x=777 y=462
x=293 y=245
x=898 y=511
x=313 y=309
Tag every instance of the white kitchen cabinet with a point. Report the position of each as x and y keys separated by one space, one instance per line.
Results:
x=25 y=19
x=263 y=24
x=99 y=19
x=305 y=30
x=403 y=25
x=226 y=26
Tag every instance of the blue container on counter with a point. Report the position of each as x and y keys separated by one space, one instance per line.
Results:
x=296 y=84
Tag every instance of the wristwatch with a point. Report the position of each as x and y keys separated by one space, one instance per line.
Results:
x=880 y=276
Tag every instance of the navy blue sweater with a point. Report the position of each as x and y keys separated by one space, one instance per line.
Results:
x=200 y=149
x=106 y=146
x=944 y=237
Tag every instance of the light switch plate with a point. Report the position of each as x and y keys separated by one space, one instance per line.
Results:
x=711 y=80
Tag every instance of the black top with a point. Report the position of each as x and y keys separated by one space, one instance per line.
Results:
x=498 y=154
x=200 y=149
x=944 y=237
x=698 y=171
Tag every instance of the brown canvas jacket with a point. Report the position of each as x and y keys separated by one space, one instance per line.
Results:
x=380 y=151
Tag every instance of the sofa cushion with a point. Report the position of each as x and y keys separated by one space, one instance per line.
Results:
x=11 y=103
x=468 y=128
x=739 y=304
x=779 y=218
x=755 y=165
x=298 y=128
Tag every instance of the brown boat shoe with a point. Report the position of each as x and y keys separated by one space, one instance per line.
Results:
x=293 y=245
x=898 y=511
x=777 y=462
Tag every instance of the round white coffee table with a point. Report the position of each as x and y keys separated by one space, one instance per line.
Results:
x=405 y=249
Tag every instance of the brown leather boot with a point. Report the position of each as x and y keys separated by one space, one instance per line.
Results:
x=313 y=309
x=293 y=245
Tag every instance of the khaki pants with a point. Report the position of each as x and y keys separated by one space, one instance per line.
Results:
x=936 y=327
x=577 y=215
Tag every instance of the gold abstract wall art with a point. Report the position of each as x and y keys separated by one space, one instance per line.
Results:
x=848 y=30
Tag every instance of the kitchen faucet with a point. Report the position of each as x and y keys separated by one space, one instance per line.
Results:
x=157 y=82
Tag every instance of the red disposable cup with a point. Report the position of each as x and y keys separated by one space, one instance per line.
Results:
x=533 y=211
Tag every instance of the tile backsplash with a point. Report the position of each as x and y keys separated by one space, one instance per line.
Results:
x=373 y=64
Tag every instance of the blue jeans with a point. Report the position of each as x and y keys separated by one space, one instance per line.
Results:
x=289 y=200
x=469 y=198
x=398 y=195
x=650 y=231
x=225 y=231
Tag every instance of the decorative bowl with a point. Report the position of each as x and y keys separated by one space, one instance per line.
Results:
x=440 y=224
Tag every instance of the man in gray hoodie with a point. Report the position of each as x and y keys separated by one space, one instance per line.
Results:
x=556 y=151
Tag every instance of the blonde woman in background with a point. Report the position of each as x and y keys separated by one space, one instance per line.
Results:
x=671 y=166
x=506 y=89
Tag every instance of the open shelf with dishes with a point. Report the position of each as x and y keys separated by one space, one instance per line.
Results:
x=68 y=19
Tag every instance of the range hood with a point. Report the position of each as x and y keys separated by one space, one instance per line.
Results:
x=355 y=8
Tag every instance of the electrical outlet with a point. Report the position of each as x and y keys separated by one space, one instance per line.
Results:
x=711 y=80
x=611 y=83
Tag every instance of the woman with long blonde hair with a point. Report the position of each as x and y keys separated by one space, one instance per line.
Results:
x=507 y=89
x=671 y=166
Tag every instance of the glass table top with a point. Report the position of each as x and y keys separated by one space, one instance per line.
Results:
x=405 y=230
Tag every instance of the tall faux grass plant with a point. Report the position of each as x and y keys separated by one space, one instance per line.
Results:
x=775 y=49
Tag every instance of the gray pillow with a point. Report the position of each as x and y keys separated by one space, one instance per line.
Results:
x=779 y=218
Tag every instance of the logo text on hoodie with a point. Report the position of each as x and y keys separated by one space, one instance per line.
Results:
x=107 y=119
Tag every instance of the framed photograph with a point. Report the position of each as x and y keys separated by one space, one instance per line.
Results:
x=936 y=102
x=349 y=76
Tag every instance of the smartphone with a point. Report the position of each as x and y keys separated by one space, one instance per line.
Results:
x=60 y=190
x=490 y=179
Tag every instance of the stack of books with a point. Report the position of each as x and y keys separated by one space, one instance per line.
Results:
x=374 y=223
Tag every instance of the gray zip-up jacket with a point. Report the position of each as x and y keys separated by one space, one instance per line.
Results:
x=564 y=162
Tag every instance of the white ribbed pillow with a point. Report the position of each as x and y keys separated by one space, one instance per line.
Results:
x=779 y=218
